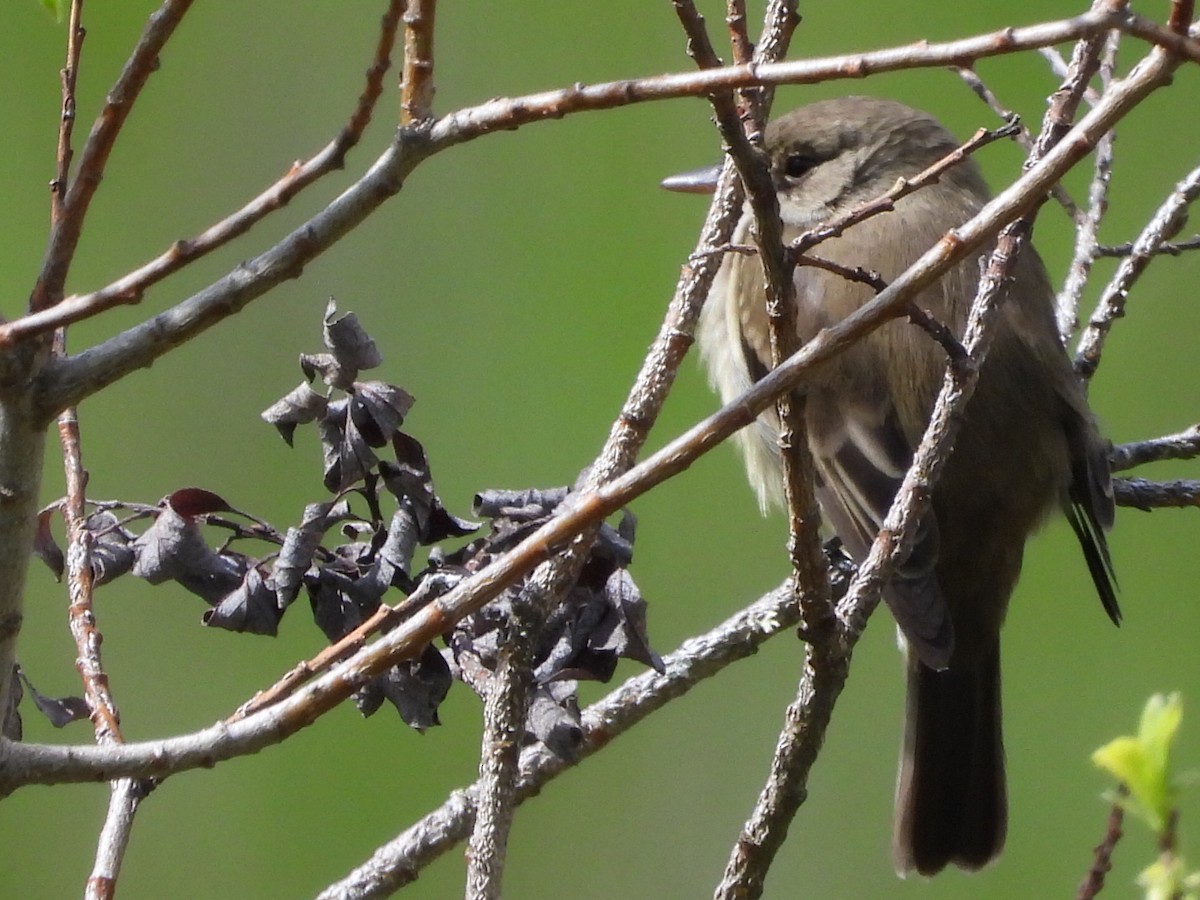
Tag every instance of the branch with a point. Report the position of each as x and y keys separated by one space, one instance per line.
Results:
x=131 y=287
x=1172 y=248
x=64 y=236
x=1088 y=224
x=1166 y=222
x=399 y=861
x=1147 y=495
x=1022 y=136
x=416 y=84
x=1093 y=882
x=67 y=382
x=1184 y=445
x=66 y=122
x=504 y=715
x=22 y=764
x=125 y=794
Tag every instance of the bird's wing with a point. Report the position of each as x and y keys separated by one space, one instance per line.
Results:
x=862 y=456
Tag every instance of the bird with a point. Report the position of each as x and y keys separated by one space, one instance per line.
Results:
x=1028 y=442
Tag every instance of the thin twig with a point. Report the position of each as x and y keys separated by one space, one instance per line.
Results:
x=66 y=122
x=1171 y=248
x=1087 y=225
x=1093 y=882
x=886 y=202
x=64 y=236
x=1166 y=222
x=131 y=287
x=416 y=85
x=125 y=794
x=1022 y=135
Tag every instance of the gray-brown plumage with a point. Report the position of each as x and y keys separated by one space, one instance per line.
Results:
x=1028 y=444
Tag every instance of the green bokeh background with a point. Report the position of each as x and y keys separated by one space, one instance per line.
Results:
x=514 y=285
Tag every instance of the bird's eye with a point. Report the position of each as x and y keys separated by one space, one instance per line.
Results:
x=797 y=165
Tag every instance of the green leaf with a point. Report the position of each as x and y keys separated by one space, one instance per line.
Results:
x=56 y=8
x=1142 y=763
x=1167 y=878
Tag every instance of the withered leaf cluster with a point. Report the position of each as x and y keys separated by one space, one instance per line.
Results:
x=352 y=548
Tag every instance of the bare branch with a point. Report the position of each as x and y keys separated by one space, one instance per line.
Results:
x=124 y=794
x=1184 y=445
x=1088 y=224
x=416 y=85
x=1022 y=136
x=66 y=122
x=68 y=381
x=131 y=287
x=399 y=861
x=1093 y=882
x=64 y=236
x=1147 y=495
x=886 y=202
x=1172 y=248
x=503 y=729
x=1166 y=222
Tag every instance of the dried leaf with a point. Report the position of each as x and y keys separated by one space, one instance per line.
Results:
x=299 y=546
x=250 y=608
x=349 y=341
x=174 y=548
x=416 y=688
x=60 y=711
x=378 y=410
x=194 y=501
x=298 y=407
x=45 y=547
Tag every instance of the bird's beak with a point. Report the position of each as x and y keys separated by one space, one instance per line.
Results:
x=697 y=181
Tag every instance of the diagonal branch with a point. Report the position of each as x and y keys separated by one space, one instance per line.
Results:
x=131 y=287
x=1166 y=222
x=399 y=861
x=64 y=236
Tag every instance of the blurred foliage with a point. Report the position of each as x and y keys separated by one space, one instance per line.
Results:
x=513 y=287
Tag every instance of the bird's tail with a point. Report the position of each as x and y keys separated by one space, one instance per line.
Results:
x=951 y=802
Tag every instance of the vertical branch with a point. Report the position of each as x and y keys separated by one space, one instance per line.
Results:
x=739 y=36
x=504 y=715
x=781 y=20
x=1088 y=225
x=126 y=793
x=416 y=86
x=66 y=124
